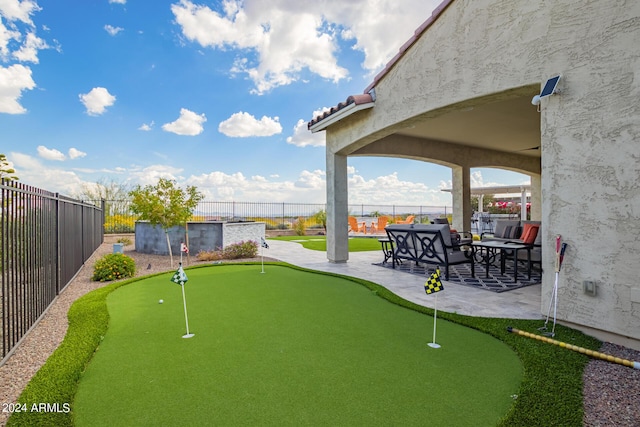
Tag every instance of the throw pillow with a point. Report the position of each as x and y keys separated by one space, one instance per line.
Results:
x=506 y=233
x=530 y=238
x=525 y=230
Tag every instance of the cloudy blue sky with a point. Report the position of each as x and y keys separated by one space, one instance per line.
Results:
x=215 y=94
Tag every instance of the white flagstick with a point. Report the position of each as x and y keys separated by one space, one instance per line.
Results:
x=435 y=316
x=263 y=244
x=186 y=318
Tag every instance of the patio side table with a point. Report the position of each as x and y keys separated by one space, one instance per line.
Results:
x=387 y=249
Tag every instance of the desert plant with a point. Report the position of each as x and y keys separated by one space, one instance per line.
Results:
x=320 y=218
x=299 y=226
x=244 y=249
x=210 y=255
x=113 y=267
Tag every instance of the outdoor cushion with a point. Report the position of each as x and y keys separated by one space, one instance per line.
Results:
x=532 y=232
x=525 y=230
x=538 y=240
x=507 y=229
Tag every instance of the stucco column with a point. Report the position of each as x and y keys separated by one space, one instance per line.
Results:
x=536 y=197
x=337 y=208
x=461 y=192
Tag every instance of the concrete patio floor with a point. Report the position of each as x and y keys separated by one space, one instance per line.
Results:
x=523 y=303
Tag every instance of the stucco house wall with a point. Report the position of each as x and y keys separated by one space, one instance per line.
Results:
x=478 y=51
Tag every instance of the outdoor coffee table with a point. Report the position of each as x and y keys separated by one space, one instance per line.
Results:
x=488 y=252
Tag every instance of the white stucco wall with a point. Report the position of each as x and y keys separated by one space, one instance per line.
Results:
x=590 y=133
x=236 y=232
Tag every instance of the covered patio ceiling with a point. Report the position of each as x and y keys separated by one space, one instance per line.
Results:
x=511 y=125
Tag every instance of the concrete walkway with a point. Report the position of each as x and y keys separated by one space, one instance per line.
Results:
x=523 y=303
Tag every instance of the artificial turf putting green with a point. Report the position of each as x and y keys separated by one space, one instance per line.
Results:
x=319 y=243
x=287 y=347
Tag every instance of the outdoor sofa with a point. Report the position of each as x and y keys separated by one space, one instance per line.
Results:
x=513 y=231
x=429 y=244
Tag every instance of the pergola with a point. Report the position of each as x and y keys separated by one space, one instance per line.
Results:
x=523 y=190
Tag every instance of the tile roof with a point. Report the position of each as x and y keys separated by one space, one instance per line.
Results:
x=369 y=96
x=354 y=100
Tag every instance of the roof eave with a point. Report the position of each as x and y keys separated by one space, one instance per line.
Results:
x=339 y=115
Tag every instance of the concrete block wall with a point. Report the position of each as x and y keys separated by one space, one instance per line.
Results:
x=203 y=236
x=151 y=239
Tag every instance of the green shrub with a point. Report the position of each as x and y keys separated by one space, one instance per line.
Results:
x=248 y=249
x=210 y=255
x=113 y=267
x=299 y=226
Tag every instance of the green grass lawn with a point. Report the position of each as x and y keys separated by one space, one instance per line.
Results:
x=320 y=346
x=287 y=348
x=319 y=243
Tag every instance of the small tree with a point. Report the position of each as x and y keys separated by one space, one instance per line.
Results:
x=6 y=171
x=320 y=218
x=165 y=204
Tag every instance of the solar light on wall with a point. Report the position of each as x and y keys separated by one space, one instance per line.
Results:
x=550 y=88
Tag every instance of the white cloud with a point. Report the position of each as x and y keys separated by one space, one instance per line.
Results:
x=97 y=101
x=285 y=37
x=379 y=28
x=19 y=28
x=28 y=52
x=308 y=188
x=189 y=123
x=151 y=174
x=13 y=81
x=118 y=1
x=146 y=127
x=390 y=190
x=31 y=171
x=245 y=125
x=280 y=39
x=112 y=30
x=6 y=36
x=16 y=10
x=311 y=180
x=74 y=153
x=50 y=153
x=302 y=137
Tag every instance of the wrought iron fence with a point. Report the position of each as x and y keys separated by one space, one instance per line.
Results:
x=277 y=216
x=44 y=240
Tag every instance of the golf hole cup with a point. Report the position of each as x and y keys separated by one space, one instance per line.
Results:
x=161 y=301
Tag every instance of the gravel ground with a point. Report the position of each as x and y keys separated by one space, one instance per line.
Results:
x=610 y=392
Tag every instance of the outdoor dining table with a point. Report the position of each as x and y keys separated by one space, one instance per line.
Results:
x=488 y=251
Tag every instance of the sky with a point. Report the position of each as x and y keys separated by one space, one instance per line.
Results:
x=215 y=94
